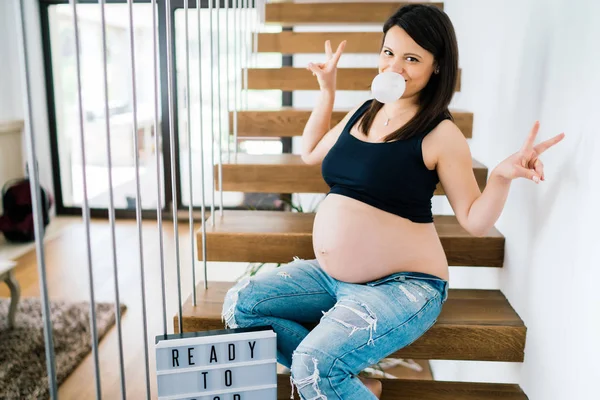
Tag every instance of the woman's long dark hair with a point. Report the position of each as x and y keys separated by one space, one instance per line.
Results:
x=431 y=29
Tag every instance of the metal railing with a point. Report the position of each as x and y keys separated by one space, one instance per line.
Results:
x=243 y=54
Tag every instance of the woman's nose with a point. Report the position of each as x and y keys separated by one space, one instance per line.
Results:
x=396 y=66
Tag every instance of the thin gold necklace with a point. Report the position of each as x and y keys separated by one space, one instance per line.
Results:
x=389 y=118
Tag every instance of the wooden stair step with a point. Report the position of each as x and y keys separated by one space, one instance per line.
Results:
x=287 y=173
x=292 y=78
x=276 y=237
x=288 y=42
x=288 y=13
x=474 y=325
x=413 y=389
x=290 y=121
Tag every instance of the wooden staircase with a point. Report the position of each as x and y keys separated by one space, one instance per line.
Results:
x=273 y=236
x=287 y=173
x=474 y=324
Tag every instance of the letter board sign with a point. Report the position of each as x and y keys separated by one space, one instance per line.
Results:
x=231 y=364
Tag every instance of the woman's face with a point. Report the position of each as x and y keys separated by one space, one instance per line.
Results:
x=401 y=54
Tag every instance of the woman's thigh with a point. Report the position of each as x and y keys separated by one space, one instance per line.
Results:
x=298 y=291
x=368 y=323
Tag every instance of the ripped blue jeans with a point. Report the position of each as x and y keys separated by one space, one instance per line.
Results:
x=358 y=324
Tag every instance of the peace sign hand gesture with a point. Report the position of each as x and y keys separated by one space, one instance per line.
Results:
x=526 y=163
x=326 y=72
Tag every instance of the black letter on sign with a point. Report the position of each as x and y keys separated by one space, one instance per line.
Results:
x=175 y=357
x=213 y=354
x=231 y=351
x=190 y=356
x=237 y=397
x=217 y=398
x=228 y=377
x=204 y=373
x=252 y=348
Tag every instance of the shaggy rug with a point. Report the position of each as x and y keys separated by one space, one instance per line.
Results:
x=23 y=372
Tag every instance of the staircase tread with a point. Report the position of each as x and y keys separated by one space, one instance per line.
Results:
x=288 y=159
x=244 y=222
x=318 y=12
x=308 y=109
x=288 y=121
x=414 y=389
x=267 y=159
x=299 y=78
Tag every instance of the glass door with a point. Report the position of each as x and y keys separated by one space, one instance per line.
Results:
x=66 y=112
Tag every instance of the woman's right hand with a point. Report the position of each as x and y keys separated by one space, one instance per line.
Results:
x=326 y=72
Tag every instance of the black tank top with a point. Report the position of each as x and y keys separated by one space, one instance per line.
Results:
x=390 y=176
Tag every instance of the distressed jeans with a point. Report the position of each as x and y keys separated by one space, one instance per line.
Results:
x=358 y=324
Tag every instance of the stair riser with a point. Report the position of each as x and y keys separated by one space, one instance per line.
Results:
x=467 y=251
x=292 y=123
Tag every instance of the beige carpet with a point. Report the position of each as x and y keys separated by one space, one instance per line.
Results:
x=22 y=353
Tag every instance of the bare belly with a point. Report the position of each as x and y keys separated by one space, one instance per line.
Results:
x=355 y=242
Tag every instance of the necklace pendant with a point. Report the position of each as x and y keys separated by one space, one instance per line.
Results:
x=386 y=122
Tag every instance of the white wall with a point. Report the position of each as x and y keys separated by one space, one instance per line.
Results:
x=11 y=89
x=521 y=61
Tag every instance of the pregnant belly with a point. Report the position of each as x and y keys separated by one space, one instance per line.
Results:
x=355 y=242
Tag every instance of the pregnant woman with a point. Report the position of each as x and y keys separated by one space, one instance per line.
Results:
x=380 y=277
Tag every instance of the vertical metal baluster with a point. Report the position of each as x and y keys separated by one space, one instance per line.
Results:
x=255 y=33
x=34 y=184
x=248 y=49
x=203 y=192
x=86 y=209
x=138 y=196
x=236 y=69
x=227 y=130
x=169 y=15
x=212 y=114
x=219 y=111
x=111 y=201
x=189 y=135
x=158 y=163
x=242 y=53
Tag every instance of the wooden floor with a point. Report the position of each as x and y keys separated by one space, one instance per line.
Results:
x=67 y=274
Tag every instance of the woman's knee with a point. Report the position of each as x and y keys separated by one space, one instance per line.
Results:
x=309 y=368
x=235 y=308
x=306 y=374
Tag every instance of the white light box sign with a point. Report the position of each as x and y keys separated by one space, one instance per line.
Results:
x=229 y=364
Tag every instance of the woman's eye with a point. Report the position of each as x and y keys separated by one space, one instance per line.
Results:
x=412 y=59
x=387 y=53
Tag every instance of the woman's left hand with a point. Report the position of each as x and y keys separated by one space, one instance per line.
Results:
x=526 y=163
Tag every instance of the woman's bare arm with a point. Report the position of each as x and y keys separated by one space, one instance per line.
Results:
x=315 y=146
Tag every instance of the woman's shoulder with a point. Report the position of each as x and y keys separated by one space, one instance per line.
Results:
x=445 y=137
x=443 y=126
